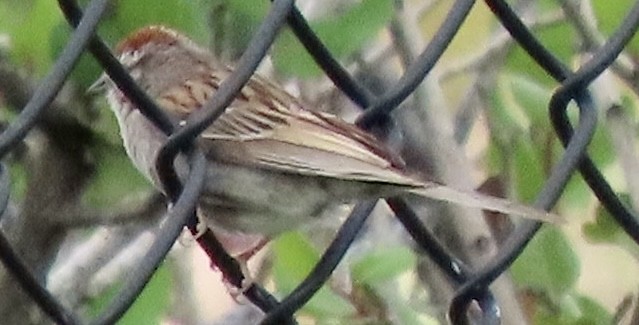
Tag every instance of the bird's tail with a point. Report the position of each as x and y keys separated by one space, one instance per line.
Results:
x=485 y=202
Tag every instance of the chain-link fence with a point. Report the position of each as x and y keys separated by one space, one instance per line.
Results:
x=472 y=285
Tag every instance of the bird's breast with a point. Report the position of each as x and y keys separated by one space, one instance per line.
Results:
x=141 y=138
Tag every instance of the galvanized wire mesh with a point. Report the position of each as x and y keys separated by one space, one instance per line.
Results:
x=473 y=285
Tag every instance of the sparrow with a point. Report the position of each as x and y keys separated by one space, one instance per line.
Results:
x=273 y=164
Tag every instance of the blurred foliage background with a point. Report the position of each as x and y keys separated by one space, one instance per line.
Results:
x=495 y=96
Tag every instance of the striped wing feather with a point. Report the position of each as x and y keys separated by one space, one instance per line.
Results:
x=267 y=128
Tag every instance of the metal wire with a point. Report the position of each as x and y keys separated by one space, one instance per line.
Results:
x=118 y=74
x=593 y=177
x=53 y=82
x=174 y=222
x=573 y=88
x=324 y=268
x=419 y=69
x=198 y=121
x=173 y=187
x=27 y=280
x=16 y=131
x=473 y=285
x=201 y=119
x=322 y=56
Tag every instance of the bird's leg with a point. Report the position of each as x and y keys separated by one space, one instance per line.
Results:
x=201 y=226
x=248 y=280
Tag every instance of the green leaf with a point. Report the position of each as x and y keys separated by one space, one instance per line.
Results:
x=255 y=10
x=606 y=230
x=383 y=264
x=149 y=308
x=505 y=111
x=531 y=96
x=601 y=151
x=152 y=305
x=86 y=70
x=554 y=38
x=294 y=259
x=573 y=309
x=609 y=17
x=13 y=14
x=187 y=16
x=350 y=31
x=122 y=18
x=528 y=172
x=233 y=24
x=548 y=263
x=31 y=35
x=592 y=312
x=515 y=138
x=115 y=178
x=343 y=35
x=522 y=106
x=506 y=126
x=295 y=255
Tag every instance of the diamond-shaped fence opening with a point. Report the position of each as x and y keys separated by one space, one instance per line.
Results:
x=469 y=280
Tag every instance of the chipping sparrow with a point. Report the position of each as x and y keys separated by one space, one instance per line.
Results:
x=273 y=165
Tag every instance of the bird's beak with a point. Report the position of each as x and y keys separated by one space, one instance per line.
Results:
x=98 y=86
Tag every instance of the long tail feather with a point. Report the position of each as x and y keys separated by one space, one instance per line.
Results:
x=485 y=202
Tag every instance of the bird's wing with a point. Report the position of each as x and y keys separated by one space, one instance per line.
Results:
x=268 y=128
